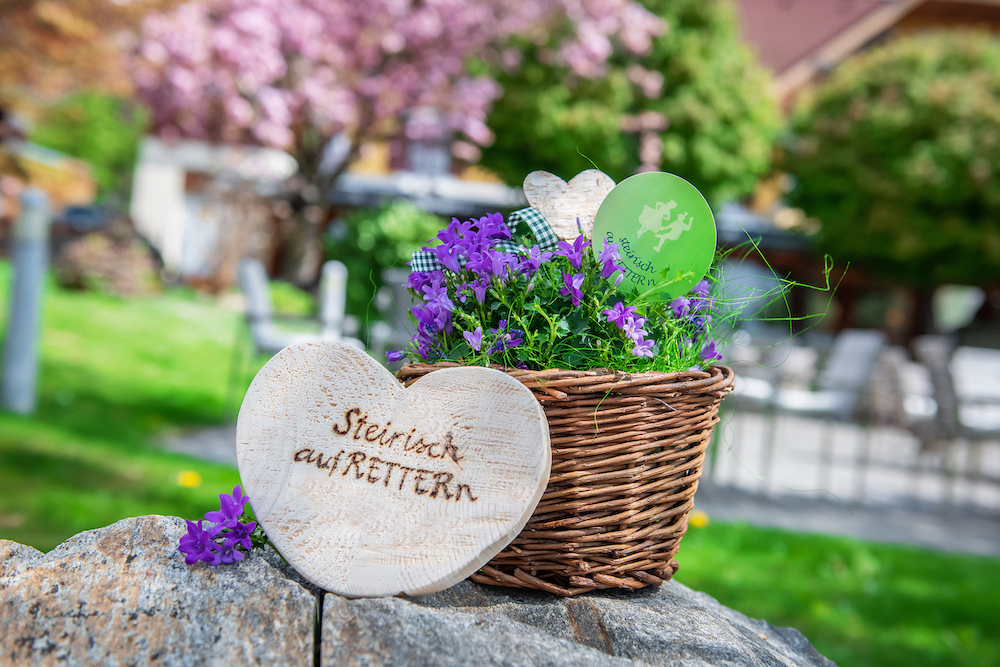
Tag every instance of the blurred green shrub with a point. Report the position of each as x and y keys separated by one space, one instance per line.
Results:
x=290 y=301
x=368 y=241
x=100 y=129
x=698 y=75
x=898 y=156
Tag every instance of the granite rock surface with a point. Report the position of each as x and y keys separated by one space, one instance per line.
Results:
x=122 y=595
x=470 y=624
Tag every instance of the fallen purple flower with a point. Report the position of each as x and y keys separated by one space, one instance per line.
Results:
x=197 y=543
x=227 y=553
x=394 y=355
x=231 y=508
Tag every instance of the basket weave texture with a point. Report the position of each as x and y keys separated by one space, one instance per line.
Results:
x=627 y=453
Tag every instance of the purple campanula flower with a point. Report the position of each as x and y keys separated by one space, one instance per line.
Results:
x=443 y=321
x=680 y=306
x=472 y=241
x=475 y=338
x=699 y=322
x=491 y=262
x=449 y=255
x=619 y=313
x=479 y=288
x=609 y=269
x=609 y=253
x=418 y=279
x=394 y=355
x=533 y=260
x=432 y=317
x=478 y=262
x=609 y=258
x=506 y=339
x=574 y=252
x=701 y=289
x=633 y=328
x=709 y=353
x=197 y=544
x=455 y=231
x=241 y=533
x=231 y=509
x=436 y=296
x=435 y=314
x=572 y=288
x=425 y=344
x=643 y=348
x=501 y=263
x=424 y=318
x=492 y=226
x=227 y=553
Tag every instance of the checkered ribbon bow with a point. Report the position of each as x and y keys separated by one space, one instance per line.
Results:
x=425 y=260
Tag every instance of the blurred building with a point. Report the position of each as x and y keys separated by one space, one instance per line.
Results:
x=186 y=196
x=802 y=40
x=202 y=207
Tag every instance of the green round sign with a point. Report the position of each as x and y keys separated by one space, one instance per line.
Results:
x=663 y=227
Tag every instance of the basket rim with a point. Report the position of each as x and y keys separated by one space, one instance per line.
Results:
x=559 y=383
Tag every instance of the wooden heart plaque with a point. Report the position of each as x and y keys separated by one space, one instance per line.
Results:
x=561 y=203
x=368 y=488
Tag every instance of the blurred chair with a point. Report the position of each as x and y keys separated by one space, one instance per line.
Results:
x=270 y=333
x=934 y=353
x=975 y=374
x=966 y=383
x=840 y=384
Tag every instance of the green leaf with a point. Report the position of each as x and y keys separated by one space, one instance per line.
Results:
x=459 y=350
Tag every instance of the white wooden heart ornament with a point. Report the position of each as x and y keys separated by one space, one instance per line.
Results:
x=561 y=203
x=368 y=488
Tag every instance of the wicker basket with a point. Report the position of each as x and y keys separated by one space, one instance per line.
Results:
x=627 y=452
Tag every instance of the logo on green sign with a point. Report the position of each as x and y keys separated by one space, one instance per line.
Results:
x=663 y=227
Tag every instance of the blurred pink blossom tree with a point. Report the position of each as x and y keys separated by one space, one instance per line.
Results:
x=293 y=74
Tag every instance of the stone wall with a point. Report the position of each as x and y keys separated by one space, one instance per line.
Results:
x=122 y=595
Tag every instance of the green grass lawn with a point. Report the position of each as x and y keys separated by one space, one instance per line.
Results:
x=113 y=374
x=116 y=373
x=859 y=603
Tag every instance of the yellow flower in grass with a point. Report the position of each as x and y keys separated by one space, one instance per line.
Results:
x=189 y=479
x=698 y=519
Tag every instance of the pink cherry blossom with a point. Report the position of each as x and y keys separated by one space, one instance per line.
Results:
x=286 y=72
